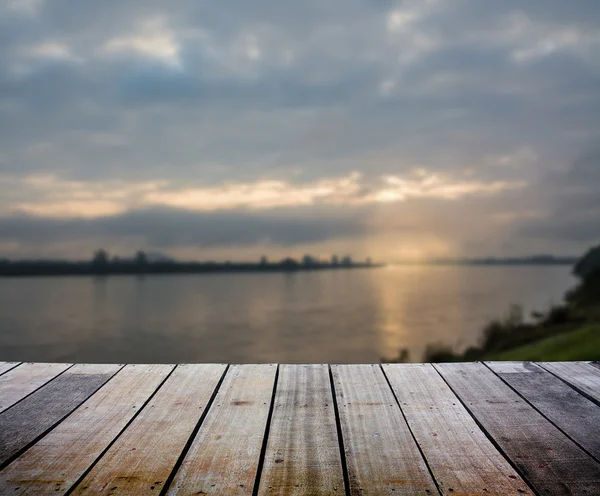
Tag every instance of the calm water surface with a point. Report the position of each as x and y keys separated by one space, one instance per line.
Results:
x=330 y=316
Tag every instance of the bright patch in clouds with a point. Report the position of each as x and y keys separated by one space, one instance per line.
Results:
x=29 y=7
x=45 y=195
x=399 y=19
x=428 y=185
x=562 y=39
x=152 y=39
x=260 y=195
x=412 y=40
x=52 y=197
x=386 y=87
x=522 y=157
x=50 y=50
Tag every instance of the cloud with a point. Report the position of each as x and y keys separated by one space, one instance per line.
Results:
x=28 y=7
x=152 y=39
x=129 y=105
x=168 y=229
x=49 y=196
x=51 y=50
x=572 y=203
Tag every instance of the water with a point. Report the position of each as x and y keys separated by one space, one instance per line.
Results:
x=342 y=316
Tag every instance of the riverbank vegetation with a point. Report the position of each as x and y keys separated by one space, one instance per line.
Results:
x=104 y=265
x=569 y=331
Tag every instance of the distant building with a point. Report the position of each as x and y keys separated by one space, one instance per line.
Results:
x=335 y=260
x=347 y=260
x=264 y=260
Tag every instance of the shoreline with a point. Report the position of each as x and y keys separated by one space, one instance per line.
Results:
x=569 y=331
x=70 y=269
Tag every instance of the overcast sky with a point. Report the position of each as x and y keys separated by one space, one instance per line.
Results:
x=228 y=129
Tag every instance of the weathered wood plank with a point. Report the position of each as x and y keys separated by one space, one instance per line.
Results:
x=25 y=379
x=549 y=460
x=302 y=455
x=577 y=416
x=164 y=426
x=381 y=454
x=60 y=458
x=6 y=366
x=461 y=457
x=583 y=376
x=223 y=458
x=30 y=418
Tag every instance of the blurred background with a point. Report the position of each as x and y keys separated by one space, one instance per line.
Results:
x=446 y=151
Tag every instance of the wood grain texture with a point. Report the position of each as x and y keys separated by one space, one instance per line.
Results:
x=549 y=460
x=6 y=366
x=223 y=458
x=30 y=418
x=54 y=463
x=23 y=380
x=381 y=454
x=302 y=455
x=583 y=376
x=142 y=458
x=462 y=459
x=574 y=414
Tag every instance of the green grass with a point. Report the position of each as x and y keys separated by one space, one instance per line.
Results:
x=582 y=344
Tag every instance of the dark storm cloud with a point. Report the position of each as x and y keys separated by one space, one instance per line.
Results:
x=168 y=228
x=341 y=54
x=574 y=203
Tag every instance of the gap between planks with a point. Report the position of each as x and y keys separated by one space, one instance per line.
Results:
x=572 y=413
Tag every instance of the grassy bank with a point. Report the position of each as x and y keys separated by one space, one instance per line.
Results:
x=580 y=344
x=566 y=332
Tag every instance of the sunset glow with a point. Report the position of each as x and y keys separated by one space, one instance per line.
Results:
x=219 y=129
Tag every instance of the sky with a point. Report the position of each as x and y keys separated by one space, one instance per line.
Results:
x=217 y=130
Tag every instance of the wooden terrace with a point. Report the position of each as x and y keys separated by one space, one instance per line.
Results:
x=495 y=428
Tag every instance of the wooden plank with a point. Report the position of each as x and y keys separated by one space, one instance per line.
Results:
x=131 y=465
x=548 y=459
x=6 y=366
x=574 y=414
x=583 y=376
x=25 y=379
x=223 y=458
x=33 y=416
x=461 y=457
x=302 y=455
x=54 y=463
x=381 y=454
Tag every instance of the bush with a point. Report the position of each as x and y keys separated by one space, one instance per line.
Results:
x=439 y=353
x=557 y=315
